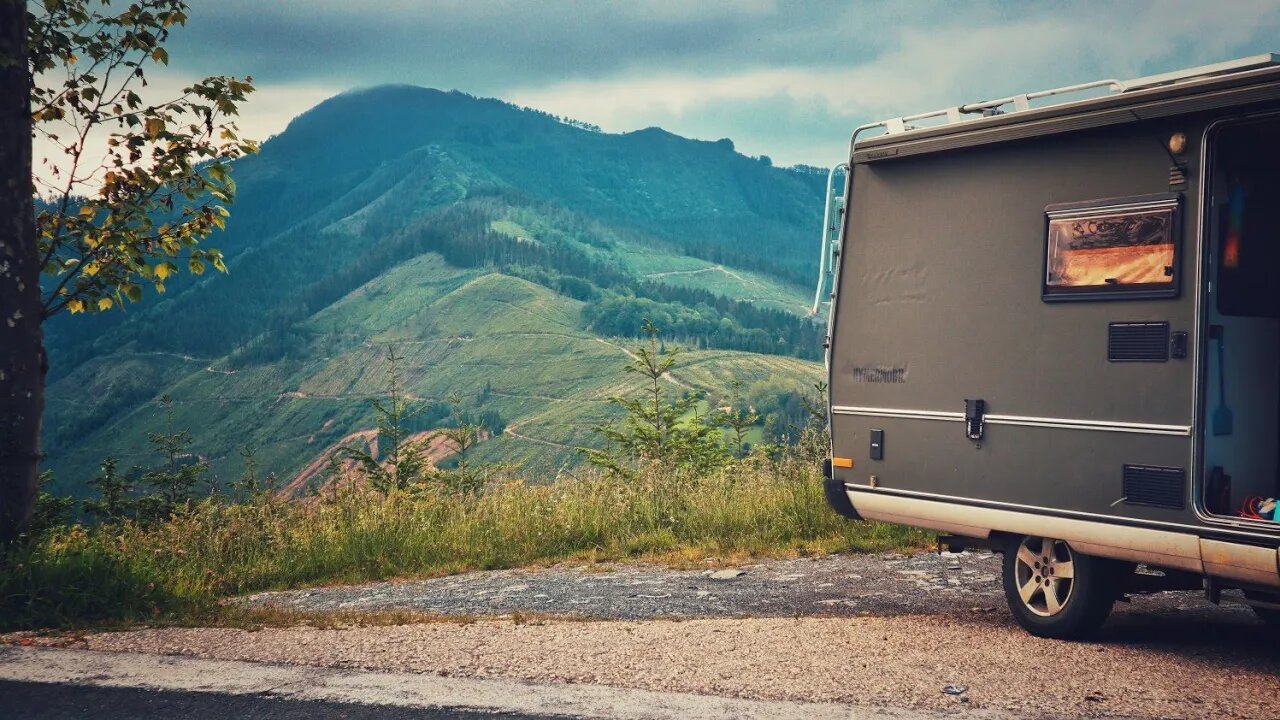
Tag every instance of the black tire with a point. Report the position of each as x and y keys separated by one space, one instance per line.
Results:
x=1059 y=607
x=1268 y=615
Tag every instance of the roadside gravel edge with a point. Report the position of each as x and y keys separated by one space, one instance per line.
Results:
x=107 y=669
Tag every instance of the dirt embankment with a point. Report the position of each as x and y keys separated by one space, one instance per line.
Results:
x=435 y=449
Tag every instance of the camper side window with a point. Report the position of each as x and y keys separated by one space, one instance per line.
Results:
x=1114 y=247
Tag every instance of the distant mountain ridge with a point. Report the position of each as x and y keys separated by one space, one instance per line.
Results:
x=711 y=244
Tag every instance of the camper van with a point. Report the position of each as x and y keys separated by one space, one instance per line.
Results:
x=1054 y=331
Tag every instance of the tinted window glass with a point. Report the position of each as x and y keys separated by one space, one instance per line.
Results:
x=1103 y=248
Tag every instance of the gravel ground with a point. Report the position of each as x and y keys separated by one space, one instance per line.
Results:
x=841 y=585
x=877 y=630
x=1217 y=670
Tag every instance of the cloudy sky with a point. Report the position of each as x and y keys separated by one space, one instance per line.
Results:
x=786 y=79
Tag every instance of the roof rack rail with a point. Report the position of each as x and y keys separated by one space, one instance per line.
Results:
x=1022 y=102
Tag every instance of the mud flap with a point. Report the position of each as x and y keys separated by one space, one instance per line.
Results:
x=837 y=498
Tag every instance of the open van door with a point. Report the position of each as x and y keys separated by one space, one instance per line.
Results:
x=1241 y=349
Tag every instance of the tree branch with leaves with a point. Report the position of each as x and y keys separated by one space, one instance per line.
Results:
x=117 y=219
x=110 y=220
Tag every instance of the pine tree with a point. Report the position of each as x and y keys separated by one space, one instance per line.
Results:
x=737 y=417
x=394 y=463
x=50 y=511
x=654 y=431
x=462 y=435
x=114 y=490
x=251 y=486
x=175 y=481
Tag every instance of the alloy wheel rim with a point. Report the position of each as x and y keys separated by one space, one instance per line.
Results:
x=1044 y=570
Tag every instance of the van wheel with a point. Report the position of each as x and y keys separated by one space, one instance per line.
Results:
x=1270 y=616
x=1056 y=592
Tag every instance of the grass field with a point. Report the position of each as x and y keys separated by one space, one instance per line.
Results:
x=685 y=271
x=645 y=261
x=178 y=571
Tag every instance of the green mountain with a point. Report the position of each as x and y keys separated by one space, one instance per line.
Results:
x=509 y=256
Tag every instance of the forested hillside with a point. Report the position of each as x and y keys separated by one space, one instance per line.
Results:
x=511 y=254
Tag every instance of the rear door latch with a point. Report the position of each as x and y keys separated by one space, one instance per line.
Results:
x=974 y=419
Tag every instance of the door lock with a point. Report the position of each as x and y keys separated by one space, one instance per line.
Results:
x=975 y=424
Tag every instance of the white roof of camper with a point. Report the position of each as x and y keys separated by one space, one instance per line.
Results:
x=1019 y=103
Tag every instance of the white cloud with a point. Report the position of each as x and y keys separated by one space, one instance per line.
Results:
x=965 y=60
x=267 y=112
x=789 y=81
x=271 y=107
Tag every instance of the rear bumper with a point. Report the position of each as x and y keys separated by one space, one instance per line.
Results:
x=837 y=497
x=1238 y=562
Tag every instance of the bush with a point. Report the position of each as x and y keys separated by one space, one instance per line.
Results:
x=80 y=577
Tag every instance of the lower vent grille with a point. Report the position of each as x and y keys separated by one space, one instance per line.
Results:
x=1155 y=486
x=1138 y=342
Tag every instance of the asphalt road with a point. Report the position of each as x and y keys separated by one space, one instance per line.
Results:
x=57 y=701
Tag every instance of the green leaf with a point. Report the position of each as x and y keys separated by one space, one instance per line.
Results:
x=157 y=152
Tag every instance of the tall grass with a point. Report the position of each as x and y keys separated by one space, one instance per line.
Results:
x=179 y=569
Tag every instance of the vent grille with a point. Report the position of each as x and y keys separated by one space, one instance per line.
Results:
x=1155 y=486
x=1138 y=342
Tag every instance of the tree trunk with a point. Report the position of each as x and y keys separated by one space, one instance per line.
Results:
x=22 y=360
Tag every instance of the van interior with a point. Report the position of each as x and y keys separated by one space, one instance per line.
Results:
x=1241 y=378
